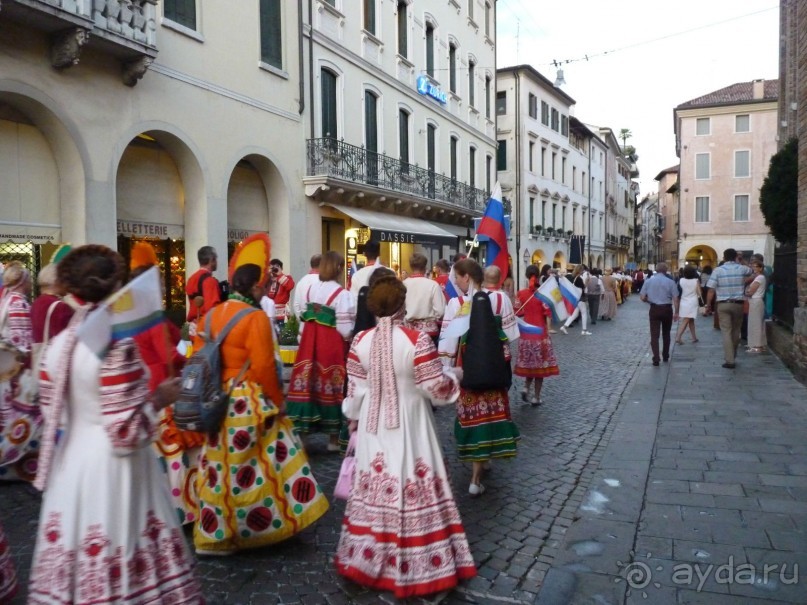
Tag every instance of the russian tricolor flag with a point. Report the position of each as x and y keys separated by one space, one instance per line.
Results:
x=492 y=225
x=451 y=288
x=525 y=328
x=571 y=294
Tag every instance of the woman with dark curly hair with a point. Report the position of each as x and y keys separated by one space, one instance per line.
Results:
x=107 y=532
x=401 y=510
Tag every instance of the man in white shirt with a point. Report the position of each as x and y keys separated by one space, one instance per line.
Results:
x=306 y=281
x=425 y=303
x=362 y=276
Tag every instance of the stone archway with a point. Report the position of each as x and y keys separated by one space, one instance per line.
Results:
x=701 y=255
x=559 y=261
x=599 y=261
x=538 y=258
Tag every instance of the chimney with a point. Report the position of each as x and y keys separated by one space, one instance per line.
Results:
x=758 y=89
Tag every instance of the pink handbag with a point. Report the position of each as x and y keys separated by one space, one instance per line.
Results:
x=345 y=481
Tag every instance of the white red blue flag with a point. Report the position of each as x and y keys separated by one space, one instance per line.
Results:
x=492 y=225
x=549 y=293
x=524 y=328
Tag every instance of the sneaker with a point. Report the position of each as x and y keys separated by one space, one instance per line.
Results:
x=476 y=490
x=585 y=333
x=535 y=402
x=563 y=329
x=551 y=331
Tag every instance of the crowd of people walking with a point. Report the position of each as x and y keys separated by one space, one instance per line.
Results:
x=120 y=475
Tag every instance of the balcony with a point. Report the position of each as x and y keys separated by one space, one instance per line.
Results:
x=624 y=241
x=611 y=239
x=336 y=169
x=124 y=29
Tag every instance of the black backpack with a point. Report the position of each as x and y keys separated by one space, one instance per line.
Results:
x=202 y=403
x=484 y=366
x=224 y=287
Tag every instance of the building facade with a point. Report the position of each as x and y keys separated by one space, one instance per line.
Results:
x=621 y=195
x=550 y=165
x=400 y=125
x=647 y=232
x=127 y=120
x=668 y=201
x=725 y=140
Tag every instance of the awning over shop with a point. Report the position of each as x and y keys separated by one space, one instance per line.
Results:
x=395 y=228
x=30 y=232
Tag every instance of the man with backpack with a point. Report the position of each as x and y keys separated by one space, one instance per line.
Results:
x=203 y=289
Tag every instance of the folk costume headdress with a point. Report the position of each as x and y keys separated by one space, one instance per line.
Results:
x=483 y=362
x=256 y=250
x=142 y=255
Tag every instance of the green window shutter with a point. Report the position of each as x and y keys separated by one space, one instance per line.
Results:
x=271 y=33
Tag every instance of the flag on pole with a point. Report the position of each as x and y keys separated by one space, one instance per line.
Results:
x=451 y=287
x=525 y=328
x=571 y=294
x=131 y=310
x=550 y=294
x=492 y=225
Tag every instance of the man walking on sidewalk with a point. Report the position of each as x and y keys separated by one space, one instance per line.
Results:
x=727 y=285
x=662 y=294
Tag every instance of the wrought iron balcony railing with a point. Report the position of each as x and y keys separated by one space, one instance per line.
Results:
x=341 y=160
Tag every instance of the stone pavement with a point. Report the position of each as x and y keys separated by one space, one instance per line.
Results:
x=544 y=519
x=701 y=494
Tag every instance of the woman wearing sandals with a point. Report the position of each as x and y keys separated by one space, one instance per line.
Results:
x=536 y=358
x=691 y=294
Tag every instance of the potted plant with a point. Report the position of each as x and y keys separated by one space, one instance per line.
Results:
x=537 y=229
x=287 y=339
x=550 y=231
x=569 y=233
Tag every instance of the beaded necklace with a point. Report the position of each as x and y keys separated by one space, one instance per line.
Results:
x=244 y=299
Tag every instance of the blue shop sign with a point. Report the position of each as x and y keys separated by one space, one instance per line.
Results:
x=425 y=87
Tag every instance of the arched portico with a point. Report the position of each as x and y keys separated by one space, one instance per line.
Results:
x=701 y=256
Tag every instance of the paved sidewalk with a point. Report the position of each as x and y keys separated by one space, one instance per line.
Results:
x=701 y=494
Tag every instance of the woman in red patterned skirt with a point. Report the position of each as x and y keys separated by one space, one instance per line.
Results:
x=536 y=357
x=316 y=386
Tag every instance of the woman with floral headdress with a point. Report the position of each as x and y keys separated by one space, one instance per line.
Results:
x=402 y=530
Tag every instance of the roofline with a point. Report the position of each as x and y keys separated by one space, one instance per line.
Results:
x=538 y=75
x=669 y=170
x=594 y=135
x=727 y=103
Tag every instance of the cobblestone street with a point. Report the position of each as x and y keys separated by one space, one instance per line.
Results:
x=516 y=529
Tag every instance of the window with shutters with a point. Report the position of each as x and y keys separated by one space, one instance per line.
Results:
x=501 y=103
x=544 y=113
x=471 y=86
x=741 y=208
x=430 y=49
x=328 y=81
x=452 y=68
x=472 y=166
x=501 y=156
x=369 y=16
x=453 y=158
x=487 y=97
x=703 y=127
x=403 y=137
x=742 y=164
x=271 y=33
x=403 y=28
x=702 y=166
x=702 y=209
x=532 y=102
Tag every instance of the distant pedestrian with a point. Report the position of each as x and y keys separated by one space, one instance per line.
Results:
x=690 y=288
x=757 y=340
x=608 y=302
x=594 y=292
x=662 y=294
x=727 y=286
x=578 y=279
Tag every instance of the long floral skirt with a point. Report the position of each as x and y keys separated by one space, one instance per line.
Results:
x=8 y=577
x=536 y=358
x=255 y=485
x=484 y=429
x=20 y=430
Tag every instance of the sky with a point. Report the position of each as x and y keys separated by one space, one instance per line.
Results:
x=645 y=57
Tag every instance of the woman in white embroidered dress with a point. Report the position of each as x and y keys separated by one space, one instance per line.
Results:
x=20 y=421
x=108 y=532
x=402 y=530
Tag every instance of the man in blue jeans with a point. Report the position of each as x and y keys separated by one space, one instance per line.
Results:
x=727 y=285
x=662 y=294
